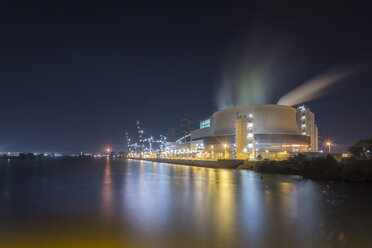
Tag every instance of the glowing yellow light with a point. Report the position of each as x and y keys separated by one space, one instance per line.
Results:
x=329 y=146
x=108 y=150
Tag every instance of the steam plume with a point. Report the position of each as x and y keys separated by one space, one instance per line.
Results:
x=247 y=82
x=313 y=88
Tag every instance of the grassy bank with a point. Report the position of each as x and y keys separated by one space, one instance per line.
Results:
x=325 y=168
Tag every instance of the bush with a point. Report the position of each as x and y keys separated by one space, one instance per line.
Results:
x=322 y=168
x=356 y=171
x=362 y=149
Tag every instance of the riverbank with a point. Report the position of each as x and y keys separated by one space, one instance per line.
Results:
x=322 y=168
x=326 y=168
x=217 y=164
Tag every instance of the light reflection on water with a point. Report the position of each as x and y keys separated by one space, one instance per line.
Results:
x=128 y=203
x=107 y=192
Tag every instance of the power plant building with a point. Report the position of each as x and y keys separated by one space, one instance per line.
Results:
x=247 y=132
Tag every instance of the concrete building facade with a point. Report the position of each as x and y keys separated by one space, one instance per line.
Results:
x=245 y=132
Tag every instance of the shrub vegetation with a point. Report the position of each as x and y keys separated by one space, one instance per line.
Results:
x=358 y=168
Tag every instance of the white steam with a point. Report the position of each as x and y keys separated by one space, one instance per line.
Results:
x=313 y=88
x=248 y=82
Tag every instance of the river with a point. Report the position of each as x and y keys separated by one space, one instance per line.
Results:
x=129 y=203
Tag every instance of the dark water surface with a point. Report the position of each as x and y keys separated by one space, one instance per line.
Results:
x=127 y=203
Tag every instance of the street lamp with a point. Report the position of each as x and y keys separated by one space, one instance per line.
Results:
x=329 y=146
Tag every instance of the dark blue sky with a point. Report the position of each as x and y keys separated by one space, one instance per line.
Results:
x=75 y=75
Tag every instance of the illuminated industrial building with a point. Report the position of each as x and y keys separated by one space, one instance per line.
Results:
x=247 y=132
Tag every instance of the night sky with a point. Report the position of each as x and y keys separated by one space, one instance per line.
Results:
x=75 y=75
